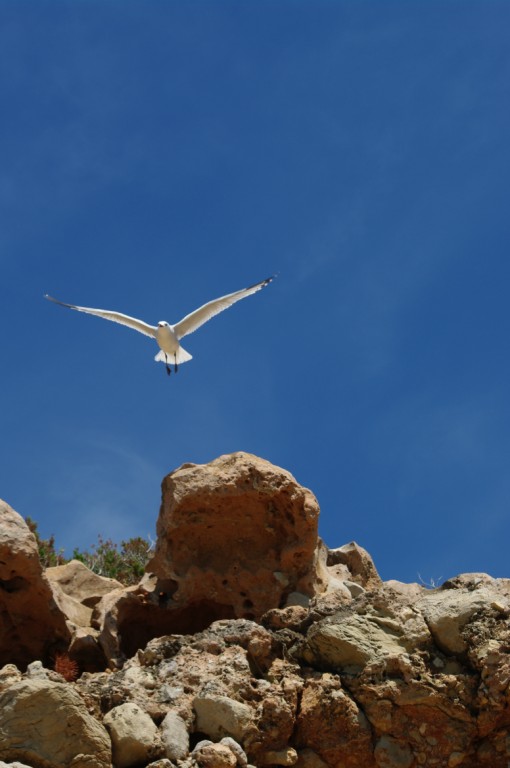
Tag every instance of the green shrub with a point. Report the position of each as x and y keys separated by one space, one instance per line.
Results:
x=125 y=562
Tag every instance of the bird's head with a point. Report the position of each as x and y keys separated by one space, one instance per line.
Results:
x=163 y=324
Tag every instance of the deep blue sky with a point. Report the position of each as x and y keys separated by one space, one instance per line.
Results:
x=155 y=155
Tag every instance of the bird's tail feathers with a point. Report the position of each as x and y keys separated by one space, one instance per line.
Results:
x=182 y=357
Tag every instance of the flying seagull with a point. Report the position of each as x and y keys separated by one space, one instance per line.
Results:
x=168 y=336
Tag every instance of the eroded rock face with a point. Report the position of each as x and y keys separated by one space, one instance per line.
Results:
x=32 y=626
x=80 y=583
x=236 y=537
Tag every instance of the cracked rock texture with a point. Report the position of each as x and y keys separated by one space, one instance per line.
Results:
x=327 y=667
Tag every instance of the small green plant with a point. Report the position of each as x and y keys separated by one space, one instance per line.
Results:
x=126 y=562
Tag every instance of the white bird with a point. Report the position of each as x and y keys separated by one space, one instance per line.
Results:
x=168 y=336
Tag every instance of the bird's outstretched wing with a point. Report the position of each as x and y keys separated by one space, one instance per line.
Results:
x=115 y=317
x=201 y=315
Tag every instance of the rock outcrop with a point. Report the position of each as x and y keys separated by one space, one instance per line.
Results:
x=236 y=537
x=333 y=668
x=32 y=626
x=270 y=524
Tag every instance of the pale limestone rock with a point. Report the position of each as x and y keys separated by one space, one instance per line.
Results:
x=134 y=735
x=174 y=736
x=77 y=614
x=15 y=764
x=448 y=611
x=468 y=581
x=358 y=562
x=43 y=722
x=76 y=589
x=200 y=744
x=9 y=674
x=409 y=592
x=214 y=756
x=36 y=671
x=237 y=749
x=164 y=762
x=219 y=716
x=80 y=583
x=351 y=641
x=32 y=625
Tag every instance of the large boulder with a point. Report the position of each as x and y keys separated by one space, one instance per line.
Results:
x=32 y=626
x=236 y=537
x=45 y=723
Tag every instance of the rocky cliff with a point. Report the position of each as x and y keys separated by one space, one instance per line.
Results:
x=247 y=642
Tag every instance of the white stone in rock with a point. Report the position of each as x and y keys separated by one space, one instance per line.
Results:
x=219 y=716
x=13 y=765
x=36 y=671
x=133 y=734
x=175 y=736
x=237 y=749
x=202 y=743
x=352 y=642
x=448 y=612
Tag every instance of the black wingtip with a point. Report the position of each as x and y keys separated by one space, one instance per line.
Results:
x=262 y=283
x=56 y=301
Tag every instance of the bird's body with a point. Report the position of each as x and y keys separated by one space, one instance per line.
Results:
x=169 y=345
x=168 y=336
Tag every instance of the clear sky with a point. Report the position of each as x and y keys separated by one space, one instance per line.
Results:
x=155 y=155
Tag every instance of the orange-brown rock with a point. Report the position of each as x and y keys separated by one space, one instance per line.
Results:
x=333 y=725
x=235 y=538
x=32 y=626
